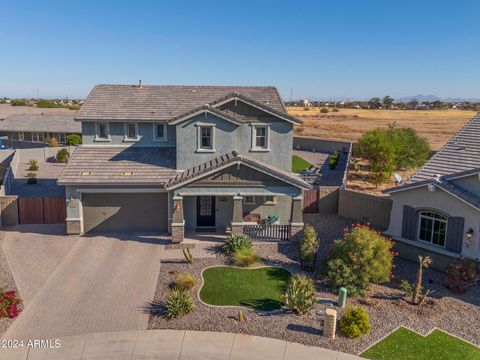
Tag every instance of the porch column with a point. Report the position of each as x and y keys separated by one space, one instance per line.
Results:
x=178 y=222
x=237 y=218
x=296 y=219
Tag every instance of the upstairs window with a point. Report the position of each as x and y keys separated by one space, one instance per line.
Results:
x=131 y=131
x=160 y=132
x=260 y=141
x=433 y=228
x=206 y=138
x=102 y=132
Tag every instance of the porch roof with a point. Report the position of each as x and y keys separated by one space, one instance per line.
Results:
x=224 y=161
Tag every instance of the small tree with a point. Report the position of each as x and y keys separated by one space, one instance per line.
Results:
x=309 y=249
x=375 y=103
x=388 y=101
x=63 y=155
x=423 y=262
x=74 y=140
x=362 y=258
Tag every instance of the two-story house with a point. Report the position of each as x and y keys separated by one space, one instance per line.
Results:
x=176 y=158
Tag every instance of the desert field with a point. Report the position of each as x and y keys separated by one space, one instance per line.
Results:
x=436 y=126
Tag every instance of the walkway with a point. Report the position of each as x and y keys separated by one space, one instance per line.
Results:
x=174 y=344
x=91 y=284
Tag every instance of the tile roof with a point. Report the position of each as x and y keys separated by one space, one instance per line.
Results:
x=234 y=157
x=7 y=110
x=460 y=153
x=147 y=165
x=164 y=102
x=41 y=123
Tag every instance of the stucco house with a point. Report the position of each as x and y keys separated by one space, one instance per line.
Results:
x=437 y=212
x=183 y=158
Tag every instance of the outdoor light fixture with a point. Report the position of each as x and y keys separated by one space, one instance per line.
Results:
x=469 y=235
x=71 y=202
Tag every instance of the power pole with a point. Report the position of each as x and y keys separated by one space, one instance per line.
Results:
x=291 y=94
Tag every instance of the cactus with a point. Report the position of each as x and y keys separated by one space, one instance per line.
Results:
x=241 y=316
x=187 y=255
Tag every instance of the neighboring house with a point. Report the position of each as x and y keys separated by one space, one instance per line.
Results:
x=31 y=130
x=437 y=212
x=170 y=158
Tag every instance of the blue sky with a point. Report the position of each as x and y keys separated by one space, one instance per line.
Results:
x=321 y=49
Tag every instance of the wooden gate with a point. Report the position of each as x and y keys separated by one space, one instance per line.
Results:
x=310 y=201
x=42 y=210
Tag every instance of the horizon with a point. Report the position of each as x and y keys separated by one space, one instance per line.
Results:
x=315 y=51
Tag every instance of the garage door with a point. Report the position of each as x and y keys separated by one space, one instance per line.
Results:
x=107 y=213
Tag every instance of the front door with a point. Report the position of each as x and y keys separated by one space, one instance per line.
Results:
x=206 y=211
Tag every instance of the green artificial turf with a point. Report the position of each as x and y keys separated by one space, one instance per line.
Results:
x=260 y=289
x=299 y=164
x=404 y=344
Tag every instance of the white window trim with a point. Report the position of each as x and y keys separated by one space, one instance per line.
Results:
x=21 y=136
x=199 y=138
x=420 y=216
x=99 y=139
x=245 y=202
x=267 y=138
x=125 y=132
x=268 y=202
x=165 y=135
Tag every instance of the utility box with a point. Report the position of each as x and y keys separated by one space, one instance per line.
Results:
x=342 y=297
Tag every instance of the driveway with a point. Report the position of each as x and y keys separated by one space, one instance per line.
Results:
x=79 y=285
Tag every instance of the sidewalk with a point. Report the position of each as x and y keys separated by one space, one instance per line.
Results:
x=174 y=344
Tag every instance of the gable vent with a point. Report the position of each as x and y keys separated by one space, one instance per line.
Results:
x=127 y=173
x=85 y=173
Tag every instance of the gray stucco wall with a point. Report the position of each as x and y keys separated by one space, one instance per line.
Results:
x=282 y=207
x=229 y=137
x=117 y=134
x=421 y=198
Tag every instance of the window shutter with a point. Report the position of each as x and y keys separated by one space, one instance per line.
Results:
x=455 y=227
x=409 y=223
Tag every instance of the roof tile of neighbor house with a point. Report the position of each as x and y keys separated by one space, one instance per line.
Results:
x=460 y=153
x=220 y=161
x=165 y=102
x=120 y=165
x=41 y=123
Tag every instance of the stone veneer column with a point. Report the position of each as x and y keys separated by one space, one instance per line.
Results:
x=74 y=227
x=237 y=218
x=178 y=222
x=296 y=219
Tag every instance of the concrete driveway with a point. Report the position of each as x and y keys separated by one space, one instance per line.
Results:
x=79 y=285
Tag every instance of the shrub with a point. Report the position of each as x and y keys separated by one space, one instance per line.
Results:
x=9 y=304
x=74 y=140
x=334 y=158
x=185 y=281
x=461 y=275
x=309 y=248
x=18 y=102
x=323 y=110
x=335 y=110
x=179 y=303
x=355 y=322
x=52 y=142
x=33 y=165
x=63 y=155
x=300 y=294
x=235 y=242
x=362 y=258
x=244 y=256
x=32 y=178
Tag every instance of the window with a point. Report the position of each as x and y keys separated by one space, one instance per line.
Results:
x=62 y=137
x=160 y=132
x=249 y=200
x=433 y=228
x=206 y=138
x=260 y=137
x=37 y=137
x=102 y=131
x=131 y=131
x=21 y=136
x=269 y=200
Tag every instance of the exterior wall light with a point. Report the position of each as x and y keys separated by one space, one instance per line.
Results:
x=431 y=187
x=469 y=235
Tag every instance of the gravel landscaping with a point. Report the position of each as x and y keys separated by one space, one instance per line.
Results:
x=386 y=307
x=6 y=283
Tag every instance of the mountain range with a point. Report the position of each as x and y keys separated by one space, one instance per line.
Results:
x=432 y=98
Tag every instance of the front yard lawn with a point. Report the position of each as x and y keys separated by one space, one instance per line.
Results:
x=260 y=289
x=299 y=164
x=404 y=344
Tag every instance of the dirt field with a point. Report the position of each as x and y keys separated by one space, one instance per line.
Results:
x=436 y=126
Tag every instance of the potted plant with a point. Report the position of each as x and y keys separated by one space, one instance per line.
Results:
x=273 y=220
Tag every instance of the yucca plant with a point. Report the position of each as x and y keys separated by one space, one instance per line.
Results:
x=300 y=294
x=187 y=255
x=179 y=303
x=244 y=256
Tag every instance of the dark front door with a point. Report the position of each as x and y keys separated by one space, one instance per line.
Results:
x=206 y=211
